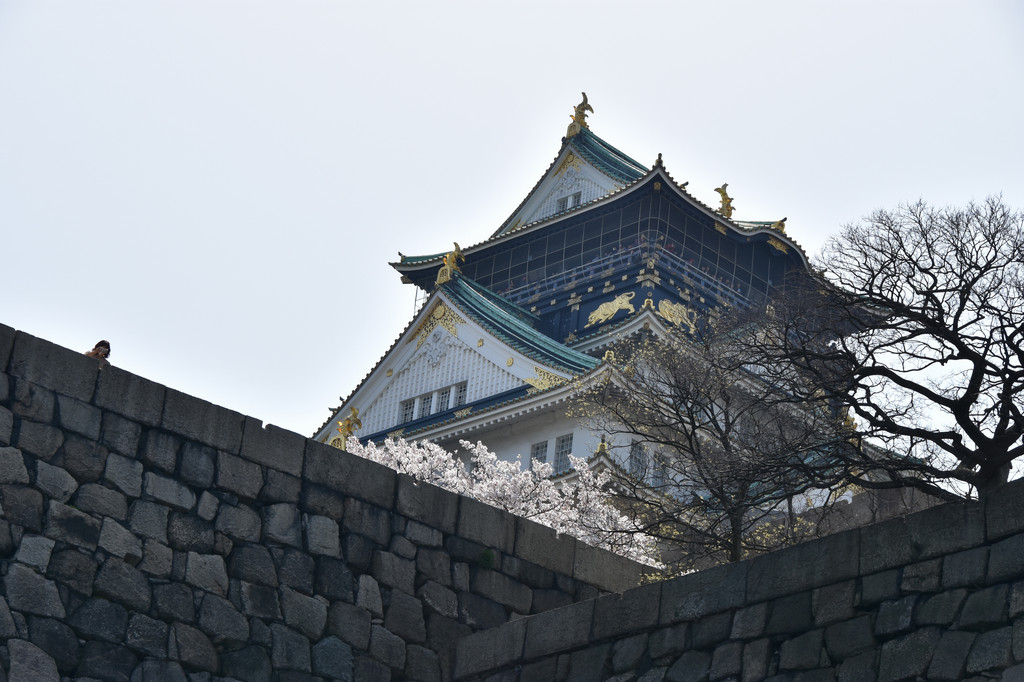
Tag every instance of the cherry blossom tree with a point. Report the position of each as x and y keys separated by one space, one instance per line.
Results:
x=580 y=508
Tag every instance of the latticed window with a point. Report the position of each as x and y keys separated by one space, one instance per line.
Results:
x=441 y=404
x=538 y=453
x=408 y=410
x=460 y=394
x=563 y=448
x=638 y=459
x=425 y=401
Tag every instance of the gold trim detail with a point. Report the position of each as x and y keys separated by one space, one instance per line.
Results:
x=338 y=443
x=575 y=299
x=726 y=207
x=479 y=343
x=397 y=433
x=349 y=425
x=570 y=161
x=780 y=225
x=459 y=414
x=510 y=362
x=648 y=279
x=579 y=118
x=721 y=228
x=389 y=372
x=441 y=316
x=608 y=309
x=451 y=265
x=648 y=303
x=678 y=314
x=772 y=241
x=543 y=381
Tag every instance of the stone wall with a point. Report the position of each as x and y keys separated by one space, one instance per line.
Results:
x=148 y=535
x=936 y=595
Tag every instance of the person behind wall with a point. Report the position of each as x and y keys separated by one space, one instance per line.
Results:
x=101 y=351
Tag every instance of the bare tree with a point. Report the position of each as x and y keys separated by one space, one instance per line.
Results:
x=714 y=459
x=915 y=325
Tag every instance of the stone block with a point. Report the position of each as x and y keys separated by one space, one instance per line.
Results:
x=433 y=506
x=322 y=536
x=350 y=623
x=238 y=476
x=991 y=651
x=480 y=612
x=965 y=568
x=99 y=500
x=931 y=533
x=29 y=592
x=333 y=658
x=250 y=663
x=404 y=617
x=1002 y=510
x=207 y=507
x=290 y=649
x=879 y=587
x=156 y=559
x=627 y=653
x=368 y=596
x=29 y=662
x=711 y=630
x=6 y=421
x=749 y=622
x=540 y=545
x=755 y=660
x=439 y=599
x=833 y=603
x=160 y=450
x=192 y=648
x=350 y=475
x=305 y=614
x=240 y=523
x=132 y=396
x=100 y=619
x=387 y=647
x=169 y=491
x=197 y=464
x=618 y=614
x=950 y=656
x=295 y=569
x=121 y=435
x=66 y=524
x=123 y=583
x=486 y=525
x=50 y=366
x=41 y=440
x=280 y=487
x=802 y=652
x=56 y=639
x=433 y=565
x=367 y=520
x=189 y=533
x=206 y=571
x=604 y=570
x=667 y=643
x=34 y=551
x=333 y=579
x=272 y=446
x=924 y=576
x=33 y=403
x=120 y=541
x=81 y=418
x=7 y=335
x=124 y=473
x=691 y=666
x=908 y=657
x=556 y=631
x=200 y=420
x=494 y=648
x=791 y=614
x=442 y=635
x=422 y=535
x=1004 y=559
x=149 y=519
x=12 y=466
x=73 y=568
x=804 y=567
x=282 y=524
x=147 y=635
x=985 y=609
x=895 y=617
x=692 y=596
x=500 y=588
x=394 y=571
x=173 y=601
x=423 y=664
x=22 y=506
x=940 y=609
x=107 y=661
x=219 y=619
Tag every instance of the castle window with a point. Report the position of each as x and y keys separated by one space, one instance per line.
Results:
x=563 y=448
x=571 y=201
x=638 y=459
x=460 y=395
x=538 y=453
x=425 y=401
x=408 y=410
x=442 y=399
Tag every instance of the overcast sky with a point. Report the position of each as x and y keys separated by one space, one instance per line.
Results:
x=217 y=187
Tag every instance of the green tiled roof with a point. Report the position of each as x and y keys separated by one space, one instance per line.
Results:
x=514 y=325
x=606 y=158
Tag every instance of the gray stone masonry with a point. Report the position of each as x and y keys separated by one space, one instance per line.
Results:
x=146 y=534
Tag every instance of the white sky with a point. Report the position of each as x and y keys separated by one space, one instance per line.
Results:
x=217 y=187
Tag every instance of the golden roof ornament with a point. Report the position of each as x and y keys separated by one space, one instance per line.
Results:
x=726 y=208
x=349 y=425
x=780 y=225
x=579 y=118
x=450 y=266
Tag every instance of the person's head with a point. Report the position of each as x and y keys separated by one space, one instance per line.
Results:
x=102 y=348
